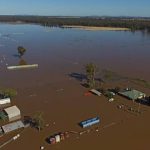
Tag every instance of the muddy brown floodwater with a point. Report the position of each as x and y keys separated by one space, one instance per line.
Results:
x=51 y=89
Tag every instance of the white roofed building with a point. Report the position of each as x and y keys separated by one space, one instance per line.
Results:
x=13 y=113
x=5 y=101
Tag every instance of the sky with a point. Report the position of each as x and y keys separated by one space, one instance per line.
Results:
x=76 y=7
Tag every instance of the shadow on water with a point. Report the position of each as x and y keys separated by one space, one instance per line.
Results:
x=16 y=55
x=47 y=140
x=144 y=101
x=78 y=76
x=83 y=79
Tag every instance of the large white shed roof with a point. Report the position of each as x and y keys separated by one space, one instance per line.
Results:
x=12 y=111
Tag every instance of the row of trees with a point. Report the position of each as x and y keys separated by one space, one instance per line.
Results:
x=132 y=23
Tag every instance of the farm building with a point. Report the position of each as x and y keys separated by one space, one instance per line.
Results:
x=12 y=126
x=5 y=101
x=95 y=92
x=132 y=94
x=13 y=113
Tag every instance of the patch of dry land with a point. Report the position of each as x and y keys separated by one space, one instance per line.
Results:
x=91 y=28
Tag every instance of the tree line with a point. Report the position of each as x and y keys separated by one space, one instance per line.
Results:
x=131 y=23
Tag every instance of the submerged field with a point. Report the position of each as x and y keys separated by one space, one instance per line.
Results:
x=60 y=96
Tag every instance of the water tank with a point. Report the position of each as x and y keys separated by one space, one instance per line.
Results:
x=57 y=138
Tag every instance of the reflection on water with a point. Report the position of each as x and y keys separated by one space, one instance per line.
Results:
x=22 y=62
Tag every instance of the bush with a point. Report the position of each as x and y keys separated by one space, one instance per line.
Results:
x=117 y=89
x=8 y=92
x=108 y=95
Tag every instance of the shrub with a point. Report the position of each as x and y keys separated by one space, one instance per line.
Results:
x=8 y=92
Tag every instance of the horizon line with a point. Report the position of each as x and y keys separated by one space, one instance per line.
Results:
x=123 y=16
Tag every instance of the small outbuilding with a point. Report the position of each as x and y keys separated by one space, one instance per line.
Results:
x=96 y=92
x=5 y=101
x=132 y=94
x=13 y=113
x=12 y=126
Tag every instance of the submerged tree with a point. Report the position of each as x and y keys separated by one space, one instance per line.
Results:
x=22 y=62
x=38 y=121
x=117 y=89
x=21 y=50
x=8 y=92
x=91 y=70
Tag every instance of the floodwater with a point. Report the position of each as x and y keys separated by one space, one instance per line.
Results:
x=49 y=89
x=56 y=49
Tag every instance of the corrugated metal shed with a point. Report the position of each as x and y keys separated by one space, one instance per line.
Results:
x=13 y=113
x=12 y=126
x=133 y=94
x=96 y=92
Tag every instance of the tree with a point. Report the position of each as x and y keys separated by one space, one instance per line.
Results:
x=90 y=73
x=8 y=92
x=108 y=95
x=103 y=90
x=117 y=89
x=21 y=50
x=38 y=120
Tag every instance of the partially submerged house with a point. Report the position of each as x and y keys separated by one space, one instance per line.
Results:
x=13 y=113
x=12 y=126
x=132 y=94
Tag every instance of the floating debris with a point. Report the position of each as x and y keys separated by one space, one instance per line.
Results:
x=42 y=147
x=87 y=94
x=60 y=90
x=32 y=95
x=9 y=141
x=47 y=125
x=57 y=138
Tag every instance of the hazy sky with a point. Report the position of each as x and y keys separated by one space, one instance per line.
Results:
x=76 y=7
